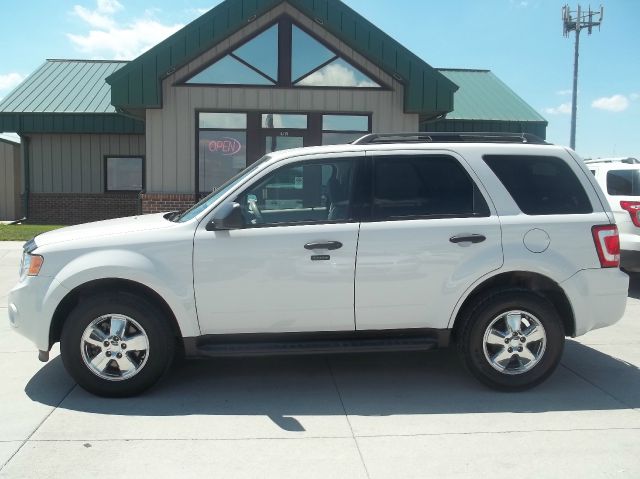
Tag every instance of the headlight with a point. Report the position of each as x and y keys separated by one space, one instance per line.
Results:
x=30 y=265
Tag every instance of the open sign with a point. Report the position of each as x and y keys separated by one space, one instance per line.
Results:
x=226 y=146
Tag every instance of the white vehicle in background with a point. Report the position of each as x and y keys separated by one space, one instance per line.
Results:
x=501 y=243
x=619 y=179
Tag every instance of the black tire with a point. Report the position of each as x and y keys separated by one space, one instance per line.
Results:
x=159 y=333
x=471 y=331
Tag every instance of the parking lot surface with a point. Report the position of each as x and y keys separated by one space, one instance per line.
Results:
x=398 y=415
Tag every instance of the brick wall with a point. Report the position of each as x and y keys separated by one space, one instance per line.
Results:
x=160 y=202
x=75 y=208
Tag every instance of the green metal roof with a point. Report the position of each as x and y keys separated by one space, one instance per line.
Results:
x=64 y=86
x=483 y=96
x=66 y=96
x=138 y=84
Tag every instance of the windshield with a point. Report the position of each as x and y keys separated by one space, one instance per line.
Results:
x=215 y=195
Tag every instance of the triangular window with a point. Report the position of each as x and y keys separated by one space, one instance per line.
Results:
x=254 y=63
x=259 y=62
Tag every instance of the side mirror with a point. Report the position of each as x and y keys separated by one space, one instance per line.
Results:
x=227 y=217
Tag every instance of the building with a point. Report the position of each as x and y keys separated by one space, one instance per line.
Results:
x=105 y=139
x=10 y=179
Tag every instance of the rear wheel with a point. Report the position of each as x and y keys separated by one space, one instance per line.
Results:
x=512 y=340
x=116 y=344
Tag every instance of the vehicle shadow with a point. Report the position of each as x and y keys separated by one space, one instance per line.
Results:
x=380 y=384
x=634 y=285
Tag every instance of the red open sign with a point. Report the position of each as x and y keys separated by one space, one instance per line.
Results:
x=226 y=146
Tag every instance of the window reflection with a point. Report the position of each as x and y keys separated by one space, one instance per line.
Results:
x=256 y=62
x=339 y=73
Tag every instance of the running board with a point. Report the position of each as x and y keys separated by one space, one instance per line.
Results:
x=219 y=346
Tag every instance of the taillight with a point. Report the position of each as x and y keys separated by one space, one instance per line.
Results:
x=633 y=208
x=607 y=245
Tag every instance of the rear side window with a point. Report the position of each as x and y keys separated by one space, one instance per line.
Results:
x=623 y=182
x=424 y=186
x=540 y=185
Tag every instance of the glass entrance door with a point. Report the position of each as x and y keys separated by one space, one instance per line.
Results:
x=283 y=131
x=282 y=140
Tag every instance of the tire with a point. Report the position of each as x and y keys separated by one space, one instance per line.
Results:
x=94 y=347
x=483 y=347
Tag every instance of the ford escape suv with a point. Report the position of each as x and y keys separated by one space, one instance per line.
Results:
x=501 y=244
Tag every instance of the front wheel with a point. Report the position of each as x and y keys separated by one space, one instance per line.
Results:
x=512 y=340
x=116 y=344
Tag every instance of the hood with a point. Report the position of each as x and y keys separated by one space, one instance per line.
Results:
x=106 y=228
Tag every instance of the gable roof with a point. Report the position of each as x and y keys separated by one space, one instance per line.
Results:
x=138 y=84
x=483 y=96
x=66 y=96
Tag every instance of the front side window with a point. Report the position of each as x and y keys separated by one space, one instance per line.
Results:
x=310 y=192
x=422 y=187
x=540 y=185
x=124 y=173
x=623 y=182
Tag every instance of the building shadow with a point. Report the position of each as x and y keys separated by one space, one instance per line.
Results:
x=380 y=384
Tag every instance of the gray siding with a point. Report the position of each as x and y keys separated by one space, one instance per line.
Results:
x=10 y=181
x=170 y=131
x=75 y=163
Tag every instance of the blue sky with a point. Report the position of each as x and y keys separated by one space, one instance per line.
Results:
x=520 y=40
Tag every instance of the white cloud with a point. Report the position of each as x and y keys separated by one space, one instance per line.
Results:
x=10 y=80
x=563 y=109
x=614 y=103
x=109 y=38
x=336 y=74
x=635 y=96
x=564 y=92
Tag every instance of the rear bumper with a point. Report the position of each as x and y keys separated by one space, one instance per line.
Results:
x=598 y=297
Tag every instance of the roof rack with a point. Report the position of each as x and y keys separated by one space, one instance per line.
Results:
x=450 y=137
x=628 y=160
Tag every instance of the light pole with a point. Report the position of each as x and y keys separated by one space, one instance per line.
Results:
x=574 y=22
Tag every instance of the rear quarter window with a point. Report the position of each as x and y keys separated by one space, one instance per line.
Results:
x=623 y=182
x=540 y=185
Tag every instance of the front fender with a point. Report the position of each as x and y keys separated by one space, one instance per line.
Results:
x=172 y=280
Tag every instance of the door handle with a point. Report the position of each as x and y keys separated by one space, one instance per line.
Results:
x=468 y=239
x=330 y=245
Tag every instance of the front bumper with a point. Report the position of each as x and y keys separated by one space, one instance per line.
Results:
x=598 y=297
x=32 y=303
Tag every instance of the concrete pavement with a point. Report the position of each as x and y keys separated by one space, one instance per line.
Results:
x=371 y=416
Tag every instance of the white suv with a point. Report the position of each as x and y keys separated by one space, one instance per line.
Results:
x=502 y=243
x=620 y=181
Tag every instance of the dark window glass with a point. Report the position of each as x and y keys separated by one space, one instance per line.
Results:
x=234 y=121
x=345 y=123
x=340 y=138
x=623 y=182
x=306 y=53
x=271 y=120
x=256 y=63
x=300 y=193
x=221 y=154
x=540 y=185
x=338 y=73
x=262 y=52
x=229 y=71
x=124 y=174
x=416 y=186
x=279 y=143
